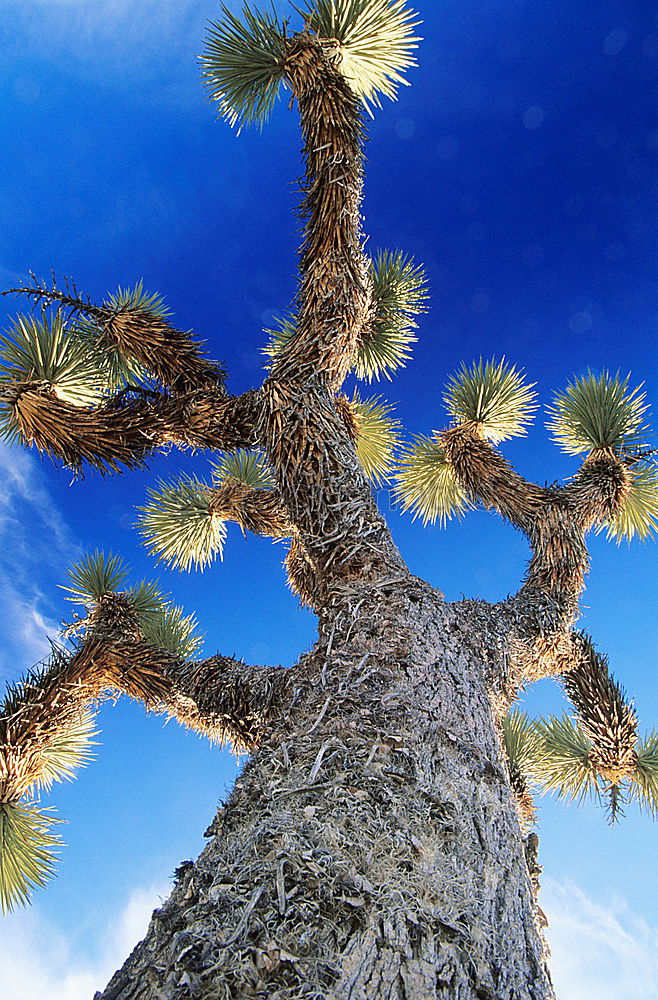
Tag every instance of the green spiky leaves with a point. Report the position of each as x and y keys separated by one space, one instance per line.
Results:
x=27 y=858
x=44 y=350
x=427 y=485
x=493 y=395
x=95 y=576
x=638 y=514
x=243 y=466
x=376 y=39
x=521 y=741
x=644 y=789
x=399 y=292
x=377 y=437
x=558 y=755
x=174 y=631
x=180 y=526
x=243 y=65
x=136 y=299
x=598 y=413
x=280 y=335
x=565 y=765
x=99 y=576
x=244 y=61
x=67 y=749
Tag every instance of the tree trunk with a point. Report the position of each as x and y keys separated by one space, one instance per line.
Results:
x=371 y=847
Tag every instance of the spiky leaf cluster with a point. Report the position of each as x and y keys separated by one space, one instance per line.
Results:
x=426 y=483
x=67 y=749
x=598 y=413
x=565 y=764
x=280 y=335
x=45 y=350
x=376 y=39
x=644 y=787
x=95 y=576
x=522 y=743
x=119 y=369
x=243 y=466
x=179 y=524
x=399 y=292
x=493 y=395
x=174 y=631
x=638 y=514
x=136 y=299
x=243 y=64
x=147 y=601
x=377 y=437
x=27 y=846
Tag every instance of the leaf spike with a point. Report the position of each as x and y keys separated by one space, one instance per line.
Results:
x=492 y=395
x=598 y=413
x=45 y=349
x=377 y=434
x=643 y=787
x=96 y=576
x=637 y=516
x=173 y=631
x=180 y=526
x=27 y=845
x=427 y=485
x=376 y=43
x=399 y=292
x=280 y=335
x=565 y=765
x=243 y=64
x=243 y=466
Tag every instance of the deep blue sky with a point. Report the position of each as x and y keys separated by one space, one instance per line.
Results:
x=520 y=168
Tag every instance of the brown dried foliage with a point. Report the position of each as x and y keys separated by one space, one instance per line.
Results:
x=605 y=715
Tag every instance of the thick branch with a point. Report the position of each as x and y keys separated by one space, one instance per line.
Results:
x=489 y=478
x=122 y=431
x=334 y=293
x=599 y=488
x=260 y=511
x=220 y=697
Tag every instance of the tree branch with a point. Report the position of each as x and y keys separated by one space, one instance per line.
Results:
x=260 y=511
x=121 y=431
x=171 y=356
x=599 y=488
x=220 y=697
x=335 y=293
x=489 y=478
x=605 y=715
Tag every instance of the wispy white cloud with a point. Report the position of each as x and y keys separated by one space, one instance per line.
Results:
x=117 y=41
x=603 y=951
x=28 y=519
x=36 y=960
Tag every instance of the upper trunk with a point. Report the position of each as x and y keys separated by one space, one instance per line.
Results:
x=371 y=847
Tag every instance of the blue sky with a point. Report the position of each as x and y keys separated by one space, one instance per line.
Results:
x=520 y=168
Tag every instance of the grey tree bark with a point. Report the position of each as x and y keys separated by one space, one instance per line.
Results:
x=371 y=847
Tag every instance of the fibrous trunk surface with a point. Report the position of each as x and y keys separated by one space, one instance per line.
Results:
x=371 y=847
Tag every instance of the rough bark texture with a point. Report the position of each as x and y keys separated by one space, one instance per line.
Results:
x=371 y=847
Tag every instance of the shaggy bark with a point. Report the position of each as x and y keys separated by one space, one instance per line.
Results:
x=371 y=847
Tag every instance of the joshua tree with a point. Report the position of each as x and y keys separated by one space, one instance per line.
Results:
x=377 y=842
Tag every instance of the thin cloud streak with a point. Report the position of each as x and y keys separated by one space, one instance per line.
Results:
x=28 y=513
x=150 y=37
x=603 y=951
x=37 y=961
